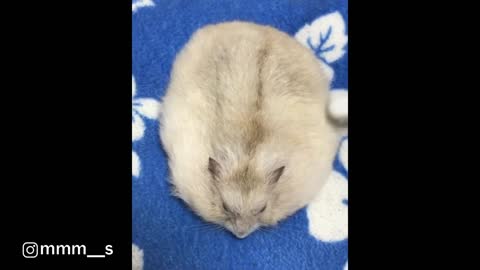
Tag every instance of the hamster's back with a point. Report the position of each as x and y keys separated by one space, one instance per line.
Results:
x=244 y=89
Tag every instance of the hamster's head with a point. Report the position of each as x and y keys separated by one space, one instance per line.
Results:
x=242 y=196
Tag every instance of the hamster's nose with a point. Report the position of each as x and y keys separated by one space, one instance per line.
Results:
x=240 y=234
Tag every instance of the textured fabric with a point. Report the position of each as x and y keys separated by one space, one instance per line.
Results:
x=166 y=234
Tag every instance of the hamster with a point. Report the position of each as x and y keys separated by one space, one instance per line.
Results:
x=245 y=126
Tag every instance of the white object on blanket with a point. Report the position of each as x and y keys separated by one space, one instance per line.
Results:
x=137 y=258
x=327 y=214
x=135 y=164
x=338 y=106
x=141 y=3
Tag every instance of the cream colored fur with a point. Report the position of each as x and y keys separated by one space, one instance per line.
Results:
x=254 y=99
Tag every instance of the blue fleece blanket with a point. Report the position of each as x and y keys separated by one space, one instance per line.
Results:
x=166 y=235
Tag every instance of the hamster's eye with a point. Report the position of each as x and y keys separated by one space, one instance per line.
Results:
x=261 y=210
x=229 y=211
x=225 y=207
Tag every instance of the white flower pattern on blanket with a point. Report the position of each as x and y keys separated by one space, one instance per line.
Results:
x=328 y=213
x=136 y=4
x=141 y=108
x=137 y=258
x=326 y=37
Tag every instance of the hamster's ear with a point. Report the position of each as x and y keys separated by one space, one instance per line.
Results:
x=275 y=175
x=214 y=168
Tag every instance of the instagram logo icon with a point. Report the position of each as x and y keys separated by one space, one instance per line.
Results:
x=30 y=250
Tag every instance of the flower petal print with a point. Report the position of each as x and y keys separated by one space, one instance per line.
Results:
x=137 y=258
x=145 y=107
x=141 y=107
x=328 y=213
x=136 y=4
x=326 y=37
x=135 y=164
x=138 y=127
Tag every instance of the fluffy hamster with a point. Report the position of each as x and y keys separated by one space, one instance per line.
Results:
x=245 y=126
